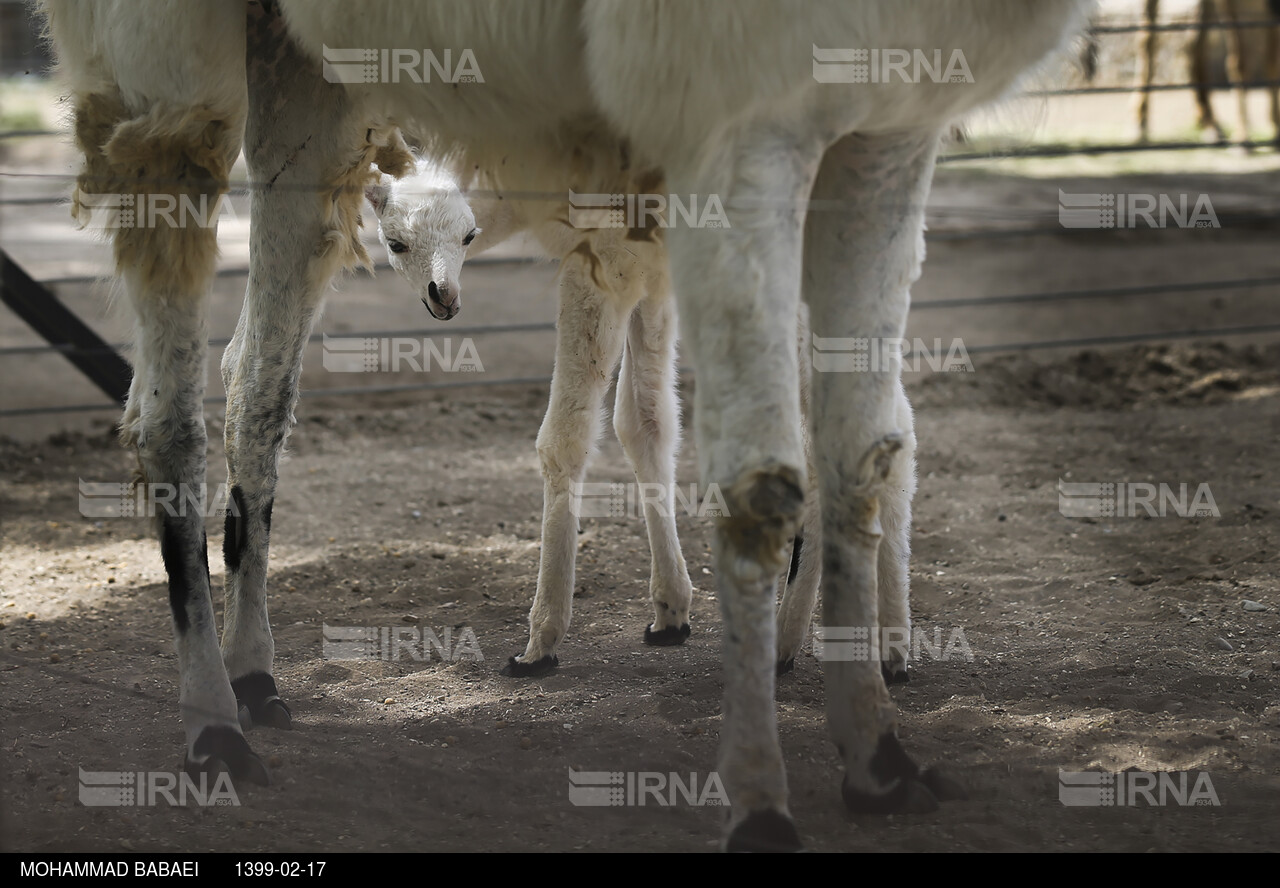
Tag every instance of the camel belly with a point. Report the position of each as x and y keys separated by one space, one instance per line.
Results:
x=464 y=71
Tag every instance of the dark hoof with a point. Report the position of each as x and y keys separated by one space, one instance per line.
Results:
x=892 y=768
x=256 y=692
x=273 y=714
x=226 y=751
x=943 y=787
x=786 y=666
x=910 y=796
x=536 y=669
x=766 y=831
x=894 y=675
x=666 y=637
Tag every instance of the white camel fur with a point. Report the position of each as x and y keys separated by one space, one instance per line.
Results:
x=590 y=96
x=429 y=227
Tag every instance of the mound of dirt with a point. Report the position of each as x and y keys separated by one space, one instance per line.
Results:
x=1140 y=377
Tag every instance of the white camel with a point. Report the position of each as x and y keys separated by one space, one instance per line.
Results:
x=429 y=227
x=759 y=103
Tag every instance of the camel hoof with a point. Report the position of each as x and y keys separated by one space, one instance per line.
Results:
x=257 y=696
x=896 y=674
x=765 y=831
x=890 y=766
x=536 y=669
x=908 y=797
x=274 y=714
x=226 y=751
x=669 y=637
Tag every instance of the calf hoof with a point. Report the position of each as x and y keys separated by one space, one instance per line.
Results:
x=536 y=669
x=906 y=792
x=785 y=666
x=224 y=750
x=669 y=637
x=896 y=674
x=765 y=831
x=256 y=695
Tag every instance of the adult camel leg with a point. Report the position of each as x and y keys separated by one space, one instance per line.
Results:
x=860 y=260
x=309 y=157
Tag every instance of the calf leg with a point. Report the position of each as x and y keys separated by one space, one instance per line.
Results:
x=647 y=421
x=795 y=613
x=892 y=581
x=589 y=338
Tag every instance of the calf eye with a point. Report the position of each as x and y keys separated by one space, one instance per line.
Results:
x=469 y=238
x=397 y=247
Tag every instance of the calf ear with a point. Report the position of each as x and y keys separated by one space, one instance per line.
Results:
x=377 y=194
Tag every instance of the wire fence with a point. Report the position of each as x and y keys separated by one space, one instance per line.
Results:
x=1039 y=225
x=1182 y=26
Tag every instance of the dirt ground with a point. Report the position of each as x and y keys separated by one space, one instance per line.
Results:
x=1097 y=643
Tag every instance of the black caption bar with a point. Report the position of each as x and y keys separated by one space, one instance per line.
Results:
x=179 y=868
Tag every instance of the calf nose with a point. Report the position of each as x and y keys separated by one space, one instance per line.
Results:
x=446 y=300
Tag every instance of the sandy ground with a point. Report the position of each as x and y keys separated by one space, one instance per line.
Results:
x=1097 y=644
